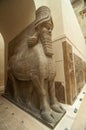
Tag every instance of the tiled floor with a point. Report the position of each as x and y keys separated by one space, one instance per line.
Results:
x=72 y=110
x=80 y=120
x=13 y=118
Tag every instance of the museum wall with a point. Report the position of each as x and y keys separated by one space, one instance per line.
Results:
x=72 y=29
x=79 y=7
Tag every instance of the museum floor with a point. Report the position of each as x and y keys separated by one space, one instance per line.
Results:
x=13 y=118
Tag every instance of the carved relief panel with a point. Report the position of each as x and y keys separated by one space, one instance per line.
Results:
x=70 y=87
x=79 y=72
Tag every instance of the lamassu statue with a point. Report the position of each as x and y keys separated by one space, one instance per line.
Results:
x=32 y=65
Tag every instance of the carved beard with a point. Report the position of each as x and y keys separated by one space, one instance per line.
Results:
x=46 y=40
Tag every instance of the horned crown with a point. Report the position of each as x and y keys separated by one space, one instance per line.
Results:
x=43 y=14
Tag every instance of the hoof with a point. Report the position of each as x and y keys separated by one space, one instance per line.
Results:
x=47 y=116
x=57 y=108
x=51 y=117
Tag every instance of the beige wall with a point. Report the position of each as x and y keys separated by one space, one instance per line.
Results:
x=72 y=29
x=78 y=7
x=58 y=54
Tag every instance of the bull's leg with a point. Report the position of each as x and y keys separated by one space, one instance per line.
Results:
x=15 y=90
x=29 y=96
x=44 y=104
x=55 y=105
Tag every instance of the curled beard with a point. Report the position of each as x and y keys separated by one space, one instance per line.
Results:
x=47 y=43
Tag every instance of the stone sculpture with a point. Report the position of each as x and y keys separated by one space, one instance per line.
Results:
x=32 y=65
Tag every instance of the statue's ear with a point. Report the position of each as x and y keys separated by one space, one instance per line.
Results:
x=32 y=40
x=38 y=28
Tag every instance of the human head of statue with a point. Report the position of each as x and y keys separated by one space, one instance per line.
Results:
x=43 y=16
